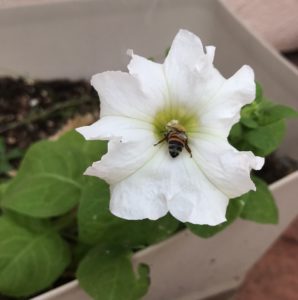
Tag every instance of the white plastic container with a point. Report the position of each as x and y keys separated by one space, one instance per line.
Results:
x=76 y=39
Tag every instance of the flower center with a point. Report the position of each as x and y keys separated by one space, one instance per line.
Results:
x=183 y=116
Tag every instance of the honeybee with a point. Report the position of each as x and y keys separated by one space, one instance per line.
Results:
x=176 y=138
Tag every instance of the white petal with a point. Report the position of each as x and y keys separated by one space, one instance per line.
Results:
x=197 y=201
x=139 y=196
x=142 y=195
x=256 y=162
x=222 y=111
x=186 y=50
x=165 y=183
x=121 y=95
x=123 y=159
x=134 y=200
x=121 y=128
x=191 y=76
x=151 y=78
x=227 y=168
x=210 y=53
x=185 y=57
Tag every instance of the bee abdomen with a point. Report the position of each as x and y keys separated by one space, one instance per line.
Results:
x=175 y=147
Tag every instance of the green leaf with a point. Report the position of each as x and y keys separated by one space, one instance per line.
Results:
x=143 y=282
x=4 y=167
x=259 y=92
x=14 y=153
x=3 y=187
x=274 y=113
x=236 y=134
x=50 y=180
x=4 y=162
x=266 y=139
x=260 y=205
x=261 y=127
x=107 y=274
x=233 y=211
x=7 y=156
x=249 y=122
x=90 y=150
x=97 y=224
x=30 y=260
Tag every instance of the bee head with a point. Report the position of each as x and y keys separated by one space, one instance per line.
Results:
x=174 y=126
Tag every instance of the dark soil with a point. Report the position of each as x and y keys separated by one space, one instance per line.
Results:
x=292 y=56
x=276 y=167
x=33 y=110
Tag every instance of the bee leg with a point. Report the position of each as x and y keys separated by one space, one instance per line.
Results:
x=159 y=142
x=188 y=149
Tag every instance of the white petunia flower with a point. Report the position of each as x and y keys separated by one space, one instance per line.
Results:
x=186 y=102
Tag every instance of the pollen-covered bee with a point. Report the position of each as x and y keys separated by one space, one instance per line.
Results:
x=176 y=138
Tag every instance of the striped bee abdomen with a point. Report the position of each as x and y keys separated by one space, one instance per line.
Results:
x=176 y=143
x=176 y=138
